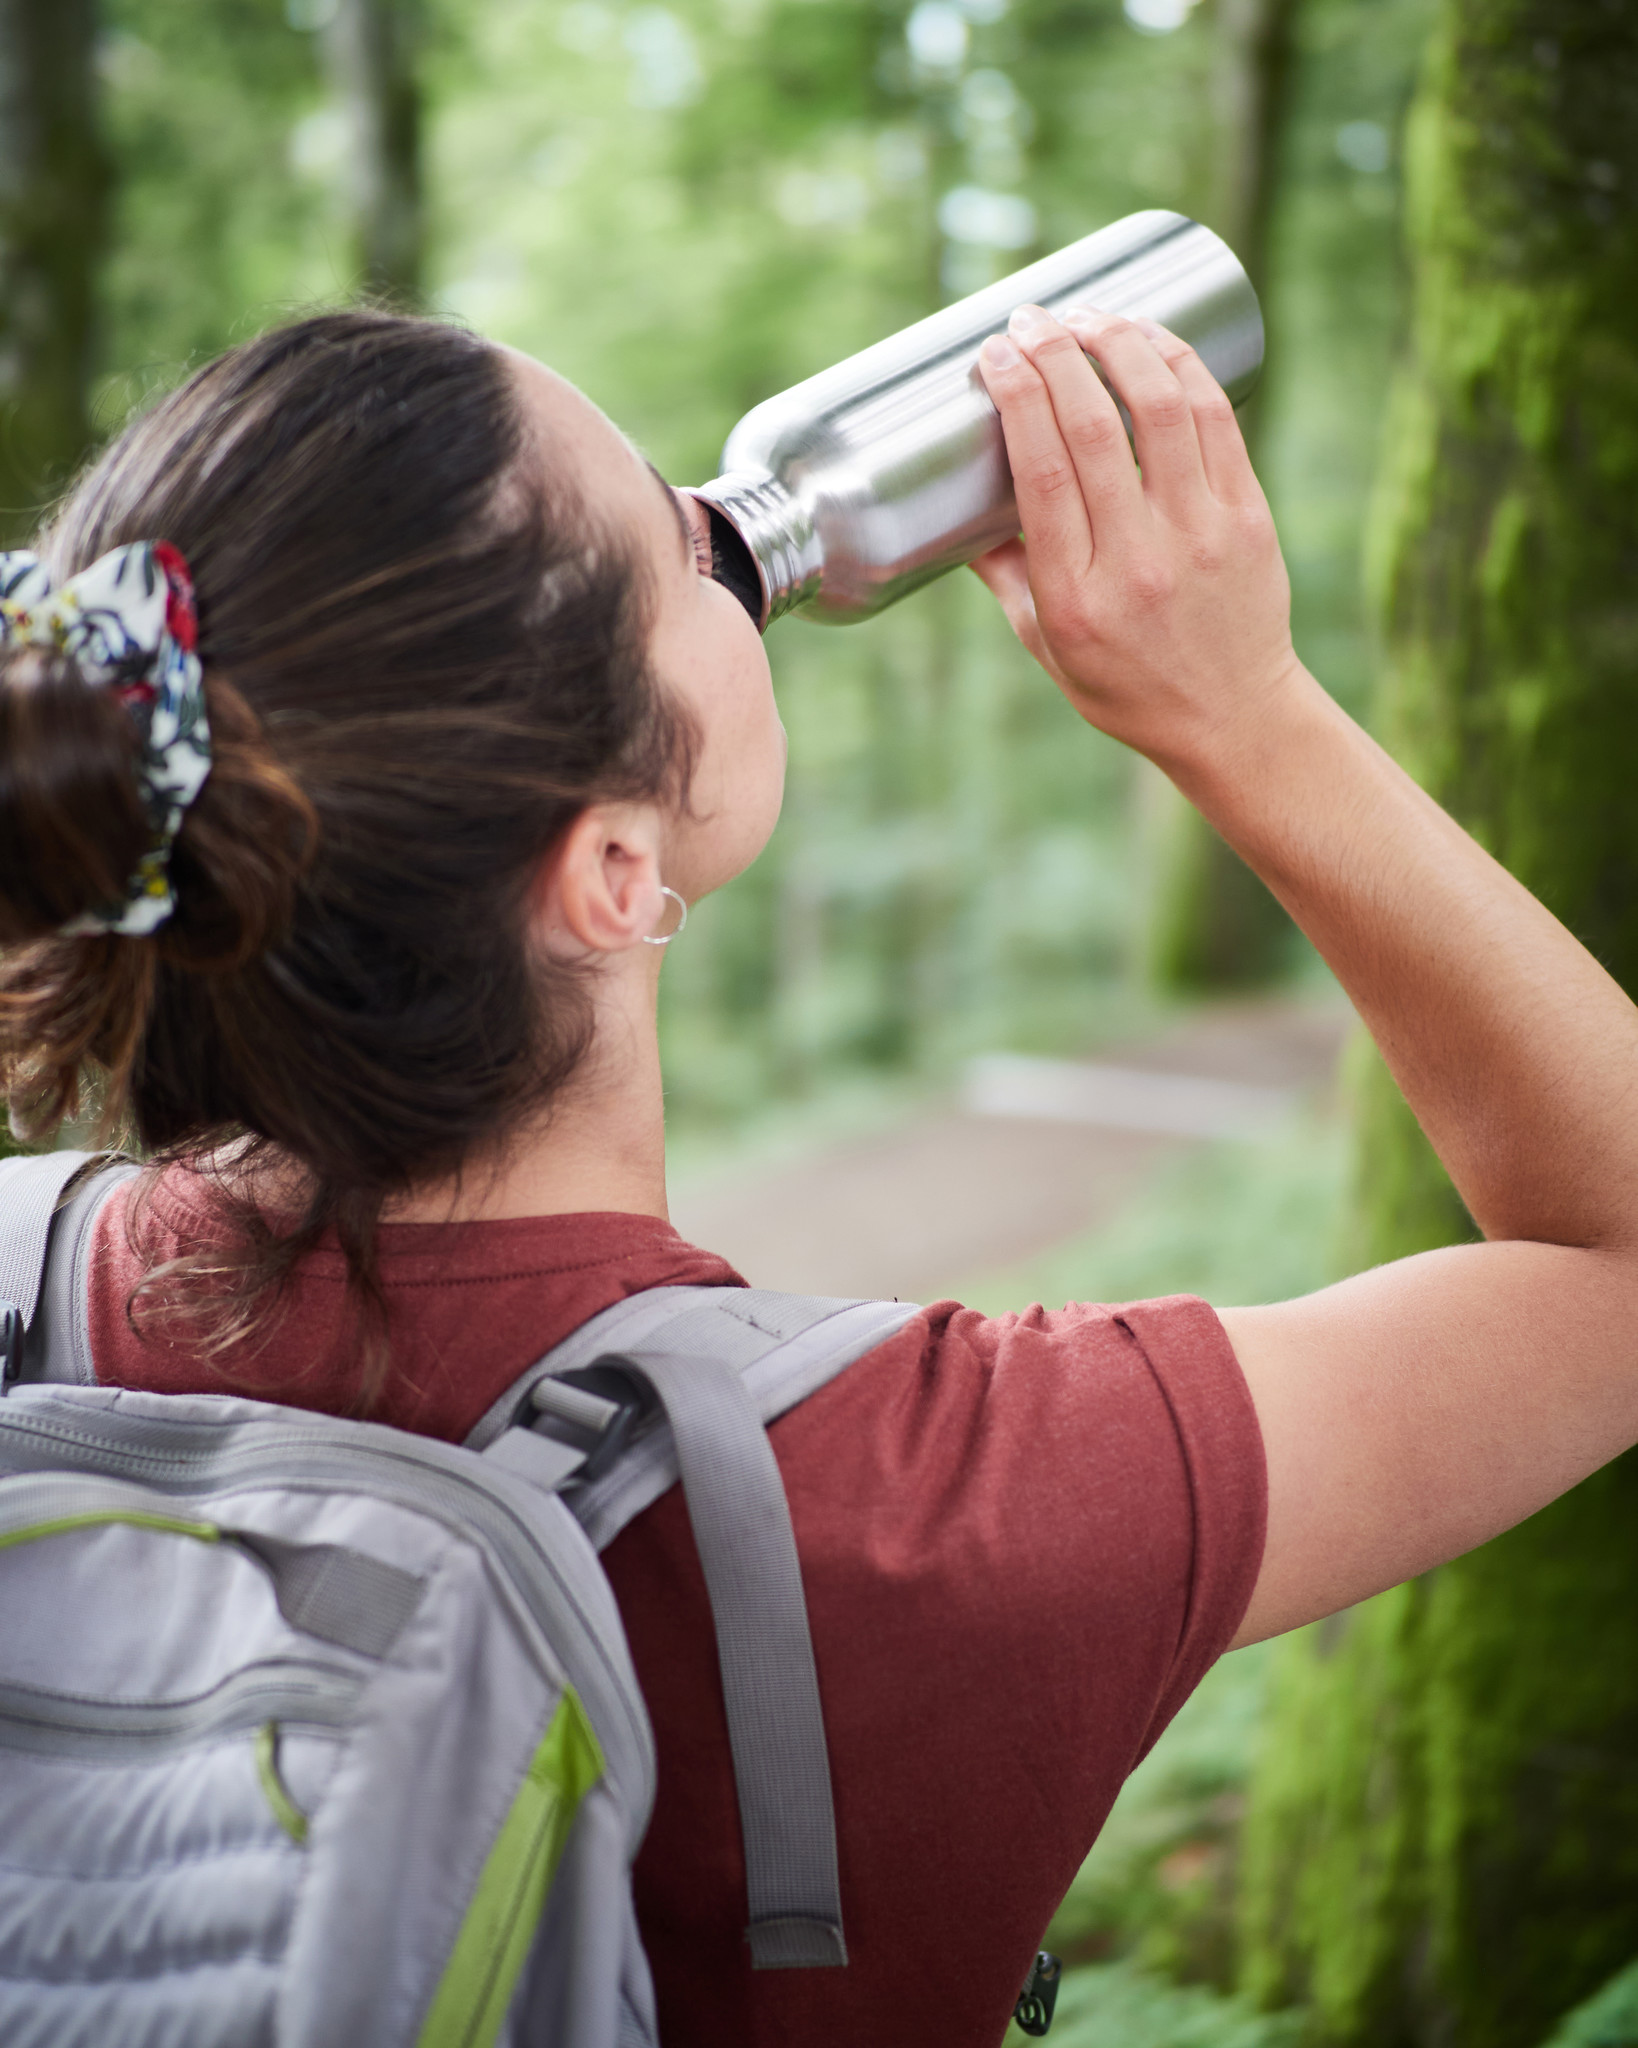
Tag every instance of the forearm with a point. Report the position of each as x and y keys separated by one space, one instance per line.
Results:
x=1419 y=1408
x=1158 y=600
x=1517 y=1052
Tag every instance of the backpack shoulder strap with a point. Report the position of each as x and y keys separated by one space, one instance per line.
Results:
x=47 y=1204
x=770 y=1684
x=783 y=1346
x=722 y=1362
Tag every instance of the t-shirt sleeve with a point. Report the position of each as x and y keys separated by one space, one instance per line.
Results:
x=1097 y=1469
x=1187 y=1349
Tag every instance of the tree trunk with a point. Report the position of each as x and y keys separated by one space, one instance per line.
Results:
x=1215 y=924
x=54 y=186
x=1443 y=1840
x=372 y=47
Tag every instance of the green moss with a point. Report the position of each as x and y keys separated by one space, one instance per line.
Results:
x=1215 y=925
x=1531 y=1725
x=1331 y=1856
x=1402 y=1199
x=1443 y=1837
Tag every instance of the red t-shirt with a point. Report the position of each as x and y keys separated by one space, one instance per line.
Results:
x=1023 y=1540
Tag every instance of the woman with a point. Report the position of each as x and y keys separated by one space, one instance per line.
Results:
x=379 y=996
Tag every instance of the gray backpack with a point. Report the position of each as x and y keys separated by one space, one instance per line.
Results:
x=319 y=1734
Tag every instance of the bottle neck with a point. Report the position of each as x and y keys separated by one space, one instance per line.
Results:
x=777 y=530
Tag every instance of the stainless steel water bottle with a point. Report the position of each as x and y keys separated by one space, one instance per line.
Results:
x=850 y=490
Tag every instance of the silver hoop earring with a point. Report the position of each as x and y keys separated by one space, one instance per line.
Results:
x=681 y=921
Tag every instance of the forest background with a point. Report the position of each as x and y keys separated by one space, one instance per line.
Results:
x=685 y=207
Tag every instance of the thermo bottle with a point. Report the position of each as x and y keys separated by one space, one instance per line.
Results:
x=850 y=490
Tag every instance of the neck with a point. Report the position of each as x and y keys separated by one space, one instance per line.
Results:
x=600 y=1145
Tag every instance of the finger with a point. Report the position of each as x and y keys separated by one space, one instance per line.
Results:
x=1051 y=509
x=1222 y=445
x=1088 y=420
x=1004 y=571
x=1168 y=449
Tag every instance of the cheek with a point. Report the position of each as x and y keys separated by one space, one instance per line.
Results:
x=720 y=671
x=741 y=715
x=742 y=781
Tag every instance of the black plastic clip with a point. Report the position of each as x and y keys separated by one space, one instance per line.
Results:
x=1039 y=1997
x=621 y=1402
x=11 y=1343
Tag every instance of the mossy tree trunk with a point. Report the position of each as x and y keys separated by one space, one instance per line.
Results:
x=373 y=49
x=1215 y=925
x=53 y=209
x=1442 y=1846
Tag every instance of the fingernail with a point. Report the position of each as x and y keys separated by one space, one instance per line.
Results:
x=1083 y=316
x=1028 y=320
x=999 y=353
x=1152 y=328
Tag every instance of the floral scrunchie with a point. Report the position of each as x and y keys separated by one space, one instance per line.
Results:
x=129 y=625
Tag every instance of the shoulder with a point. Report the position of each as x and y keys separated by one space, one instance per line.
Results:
x=1163 y=1368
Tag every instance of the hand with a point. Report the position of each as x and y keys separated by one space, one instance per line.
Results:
x=1156 y=598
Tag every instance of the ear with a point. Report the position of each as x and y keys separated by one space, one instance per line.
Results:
x=599 y=889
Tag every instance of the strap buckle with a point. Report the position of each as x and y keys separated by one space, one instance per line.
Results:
x=604 y=1402
x=11 y=1343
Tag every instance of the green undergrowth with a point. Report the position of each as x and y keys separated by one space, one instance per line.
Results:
x=1158 y=1886
x=1116 y=2005
x=1609 y=2019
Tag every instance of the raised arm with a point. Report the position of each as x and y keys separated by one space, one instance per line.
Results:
x=1415 y=1410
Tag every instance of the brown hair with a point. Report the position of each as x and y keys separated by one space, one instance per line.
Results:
x=422 y=659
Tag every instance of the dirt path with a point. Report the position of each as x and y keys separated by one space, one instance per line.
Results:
x=955 y=1190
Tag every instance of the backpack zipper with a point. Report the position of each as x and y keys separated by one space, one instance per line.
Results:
x=295 y=1692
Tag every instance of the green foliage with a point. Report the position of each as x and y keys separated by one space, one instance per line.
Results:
x=218 y=229
x=1158 y=1889
x=1609 y=2019
x=1116 y=2005
x=54 y=177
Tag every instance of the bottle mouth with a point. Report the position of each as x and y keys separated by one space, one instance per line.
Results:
x=734 y=566
x=735 y=560
x=769 y=554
